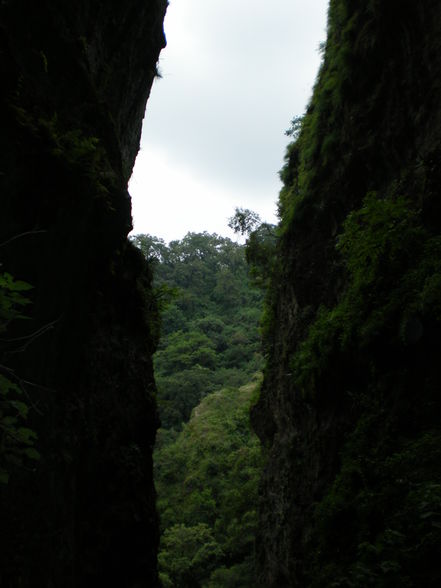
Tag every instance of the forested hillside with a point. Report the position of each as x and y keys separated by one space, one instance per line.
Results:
x=206 y=478
x=207 y=460
x=210 y=318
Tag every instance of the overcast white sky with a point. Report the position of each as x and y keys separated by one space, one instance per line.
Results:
x=234 y=74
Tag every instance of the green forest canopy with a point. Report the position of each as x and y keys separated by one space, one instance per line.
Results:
x=207 y=460
x=207 y=477
x=210 y=319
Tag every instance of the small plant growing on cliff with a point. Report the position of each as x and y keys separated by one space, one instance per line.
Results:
x=16 y=440
x=295 y=128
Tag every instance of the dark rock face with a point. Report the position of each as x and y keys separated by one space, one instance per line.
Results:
x=350 y=408
x=75 y=78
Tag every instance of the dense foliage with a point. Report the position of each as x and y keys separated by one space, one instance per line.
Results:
x=207 y=473
x=210 y=320
x=206 y=477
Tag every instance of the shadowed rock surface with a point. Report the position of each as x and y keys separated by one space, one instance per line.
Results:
x=75 y=78
x=350 y=407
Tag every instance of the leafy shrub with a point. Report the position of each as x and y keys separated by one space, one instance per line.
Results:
x=16 y=440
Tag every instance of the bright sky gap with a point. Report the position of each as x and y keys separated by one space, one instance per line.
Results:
x=233 y=76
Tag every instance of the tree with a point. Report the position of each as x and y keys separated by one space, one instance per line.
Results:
x=261 y=254
x=153 y=248
x=295 y=128
x=244 y=221
x=188 y=555
x=261 y=240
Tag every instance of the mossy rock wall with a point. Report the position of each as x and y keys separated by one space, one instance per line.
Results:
x=75 y=78
x=350 y=410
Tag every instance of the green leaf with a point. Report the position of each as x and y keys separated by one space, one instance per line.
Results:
x=8 y=282
x=8 y=421
x=7 y=386
x=4 y=477
x=32 y=453
x=26 y=435
x=20 y=407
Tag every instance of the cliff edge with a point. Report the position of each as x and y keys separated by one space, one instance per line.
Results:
x=350 y=410
x=75 y=78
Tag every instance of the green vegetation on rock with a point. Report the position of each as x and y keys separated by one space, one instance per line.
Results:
x=16 y=440
x=350 y=408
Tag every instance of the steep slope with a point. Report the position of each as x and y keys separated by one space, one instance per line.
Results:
x=350 y=409
x=207 y=477
x=75 y=78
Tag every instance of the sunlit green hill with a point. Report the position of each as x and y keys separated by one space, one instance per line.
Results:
x=206 y=478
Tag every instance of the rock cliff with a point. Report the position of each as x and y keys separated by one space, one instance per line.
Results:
x=350 y=409
x=75 y=78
